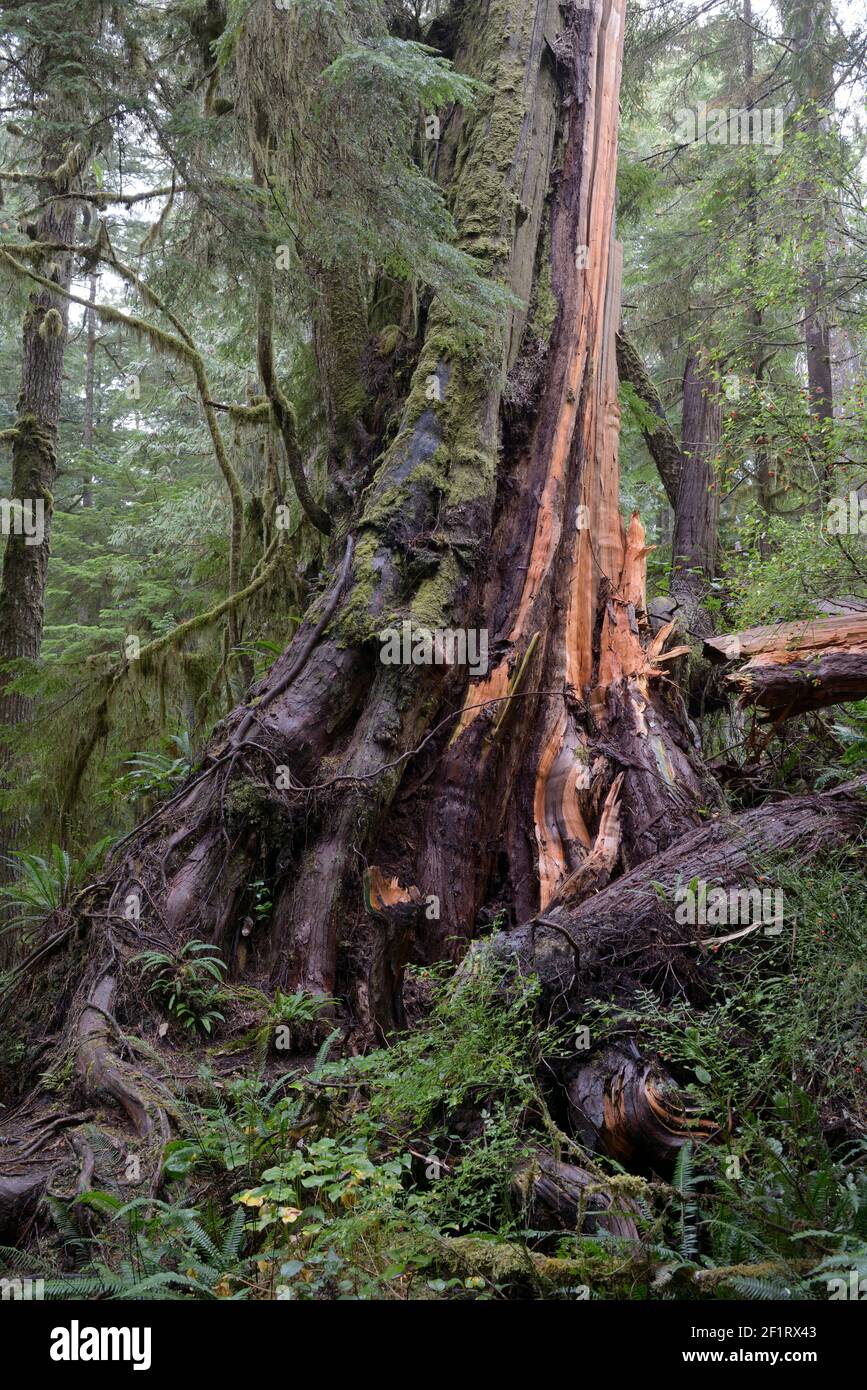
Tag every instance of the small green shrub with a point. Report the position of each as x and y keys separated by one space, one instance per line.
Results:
x=46 y=884
x=181 y=985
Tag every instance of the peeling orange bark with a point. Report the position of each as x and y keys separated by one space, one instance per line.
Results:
x=542 y=740
x=382 y=893
x=597 y=868
x=595 y=541
x=598 y=284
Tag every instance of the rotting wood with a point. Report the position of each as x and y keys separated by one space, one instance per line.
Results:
x=395 y=910
x=625 y=938
x=563 y=1195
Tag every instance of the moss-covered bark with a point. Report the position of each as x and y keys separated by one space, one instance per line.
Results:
x=34 y=461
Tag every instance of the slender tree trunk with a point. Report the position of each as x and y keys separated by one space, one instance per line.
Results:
x=809 y=26
x=755 y=315
x=696 y=516
x=34 y=463
x=87 y=434
x=817 y=339
x=88 y=609
x=686 y=470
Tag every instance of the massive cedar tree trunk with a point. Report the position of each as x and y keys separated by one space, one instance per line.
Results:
x=450 y=534
x=566 y=762
x=366 y=792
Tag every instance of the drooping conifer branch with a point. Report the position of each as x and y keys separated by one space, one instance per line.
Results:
x=281 y=410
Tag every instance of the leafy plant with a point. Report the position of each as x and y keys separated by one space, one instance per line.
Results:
x=47 y=884
x=685 y=1183
x=284 y=1020
x=241 y=1125
x=181 y=984
x=262 y=901
x=153 y=774
x=170 y=1252
x=851 y=737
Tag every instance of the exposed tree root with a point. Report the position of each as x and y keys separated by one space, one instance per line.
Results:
x=99 y=1068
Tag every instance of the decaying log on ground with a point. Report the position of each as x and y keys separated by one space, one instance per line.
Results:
x=566 y=1197
x=628 y=1107
x=795 y=667
x=19 y=1193
x=626 y=937
x=618 y=1277
x=500 y=1262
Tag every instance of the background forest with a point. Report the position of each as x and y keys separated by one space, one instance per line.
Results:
x=229 y=233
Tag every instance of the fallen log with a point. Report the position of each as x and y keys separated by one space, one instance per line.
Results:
x=19 y=1193
x=563 y=1196
x=502 y=1262
x=795 y=667
x=593 y=1271
x=627 y=937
